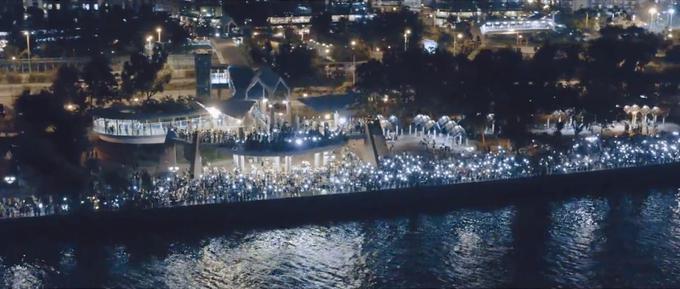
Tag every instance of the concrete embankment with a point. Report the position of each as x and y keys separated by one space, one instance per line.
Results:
x=338 y=207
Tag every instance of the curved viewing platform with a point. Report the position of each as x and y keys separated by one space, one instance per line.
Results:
x=130 y=125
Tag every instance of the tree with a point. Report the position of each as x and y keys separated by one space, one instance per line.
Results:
x=673 y=54
x=101 y=84
x=389 y=28
x=51 y=141
x=141 y=74
x=614 y=69
x=371 y=76
x=321 y=26
x=67 y=86
x=295 y=63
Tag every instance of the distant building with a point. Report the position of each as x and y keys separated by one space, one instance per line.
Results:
x=206 y=13
x=396 y=5
x=351 y=11
x=413 y=5
x=505 y=9
x=10 y=12
x=386 y=5
x=86 y=5
x=456 y=11
x=627 y=5
x=300 y=14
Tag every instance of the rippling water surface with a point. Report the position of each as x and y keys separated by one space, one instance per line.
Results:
x=623 y=239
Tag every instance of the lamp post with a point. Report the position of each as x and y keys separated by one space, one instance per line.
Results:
x=159 y=30
x=652 y=11
x=28 y=48
x=406 y=34
x=149 y=38
x=354 y=64
x=671 y=11
x=458 y=36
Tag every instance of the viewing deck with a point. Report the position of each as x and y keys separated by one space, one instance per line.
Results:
x=130 y=127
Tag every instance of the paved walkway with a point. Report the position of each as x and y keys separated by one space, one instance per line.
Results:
x=228 y=52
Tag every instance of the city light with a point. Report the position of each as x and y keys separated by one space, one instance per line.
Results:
x=652 y=12
x=28 y=49
x=213 y=111
x=9 y=179
x=159 y=30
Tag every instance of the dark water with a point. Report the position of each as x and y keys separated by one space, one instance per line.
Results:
x=622 y=240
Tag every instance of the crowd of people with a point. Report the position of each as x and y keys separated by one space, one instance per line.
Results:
x=349 y=173
x=30 y=207
x=279 y=139
x=212 y=136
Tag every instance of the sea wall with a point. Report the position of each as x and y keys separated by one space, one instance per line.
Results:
x=341 y=206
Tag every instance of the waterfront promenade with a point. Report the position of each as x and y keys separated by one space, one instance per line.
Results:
x=349 y=175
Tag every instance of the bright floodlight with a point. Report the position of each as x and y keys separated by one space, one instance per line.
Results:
x=652 y=10
x=214 y=112
x=10 y=179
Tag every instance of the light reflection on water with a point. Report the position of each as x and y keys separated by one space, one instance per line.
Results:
x=619 y=240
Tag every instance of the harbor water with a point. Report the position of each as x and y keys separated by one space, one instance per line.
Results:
x=622 y=239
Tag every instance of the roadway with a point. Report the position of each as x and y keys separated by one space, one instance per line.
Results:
x=228 y=52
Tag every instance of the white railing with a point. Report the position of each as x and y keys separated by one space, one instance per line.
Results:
x=135 y=128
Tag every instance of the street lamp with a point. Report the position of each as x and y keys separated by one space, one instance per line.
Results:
x=458 y=36
x=354 y=64
x=671 y=11
x=652 y=11
x=159 y=30
x=406 y=34
x=149 y=38
x=28 y=48
x=70 y=107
